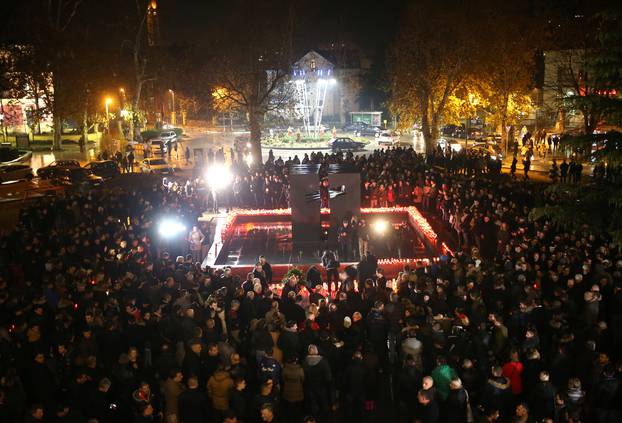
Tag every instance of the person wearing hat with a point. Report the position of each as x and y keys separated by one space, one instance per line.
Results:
x=319 y=387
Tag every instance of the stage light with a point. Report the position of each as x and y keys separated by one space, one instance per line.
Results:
x=380 y=226
x=332 y=81
x=249 y=160
x=218 y=177
x=169 y=228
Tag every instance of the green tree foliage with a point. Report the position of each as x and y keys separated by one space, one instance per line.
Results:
x=595 y=74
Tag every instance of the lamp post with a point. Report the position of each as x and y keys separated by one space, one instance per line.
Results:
x=108 y=102
x=173 y=117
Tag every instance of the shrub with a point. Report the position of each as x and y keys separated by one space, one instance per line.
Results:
x=293 y=271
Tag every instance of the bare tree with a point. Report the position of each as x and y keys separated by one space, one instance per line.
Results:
x=60 y=15
x=252 y=66
x=140 y=60
x=429 y=60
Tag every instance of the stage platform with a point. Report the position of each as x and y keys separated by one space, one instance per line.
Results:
x=242 y=235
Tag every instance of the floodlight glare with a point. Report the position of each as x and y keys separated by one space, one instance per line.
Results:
x=249 y=159
x=332 y=81
x=380 y=226
x=169 y=228
x=218 y=177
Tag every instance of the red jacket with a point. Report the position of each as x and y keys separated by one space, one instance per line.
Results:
x=513 y=370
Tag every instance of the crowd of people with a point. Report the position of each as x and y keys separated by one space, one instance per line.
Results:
x=99 y=322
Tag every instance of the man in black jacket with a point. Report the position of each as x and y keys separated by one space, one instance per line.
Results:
x=429 y=407
x=318 y=382
x=237 y=398
x=193 y=403
x=456 y=405
x=542 y=400
x=194 y=363
x=267 y=269
x=289 y=341
x=354 y=388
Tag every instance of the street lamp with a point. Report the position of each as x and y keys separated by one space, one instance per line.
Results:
x=218 y=177
x=108 y=102
x=173 y=120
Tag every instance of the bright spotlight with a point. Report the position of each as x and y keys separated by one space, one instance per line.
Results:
x=169 y=228
x=380 y=226
x=332 y=81
x=218 y=177
x=249 y=159
x=300 y=81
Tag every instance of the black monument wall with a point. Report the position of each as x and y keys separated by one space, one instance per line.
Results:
x=305 y=203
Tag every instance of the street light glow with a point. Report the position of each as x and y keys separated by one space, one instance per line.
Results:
x=380 y=226
x=169 y=228
x=108 y=101
x=218 y=177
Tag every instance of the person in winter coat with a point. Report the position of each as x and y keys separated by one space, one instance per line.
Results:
x=218 y=387
x=173 y=387
x=354 y=387
x=289 y=341
x=606 y=394
x=377 y=330
x=542 y=398
x=238 y=403
x=496 y=394
x=193 y=403
x=443 y=375
x=456 y=405
x=293 y=389
x=429 y=411
x=513 y=370
x=318 y=382
x=194 y=364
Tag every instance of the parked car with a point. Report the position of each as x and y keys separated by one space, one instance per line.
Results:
x=77 y=177
x=15 y=172
x=159 y=166
x=368 y=131
x=387 y=138
x=9 y=155
x=455 y=146
x=167 y=136
x=355 y=126
x=55 y=167
x=484 y=149
x=105 y=168
x=345 y=144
